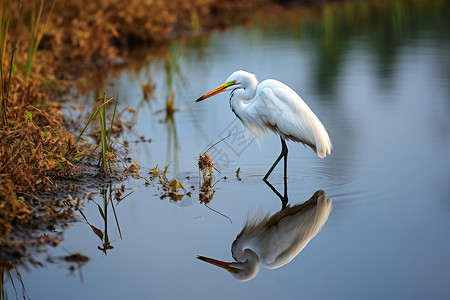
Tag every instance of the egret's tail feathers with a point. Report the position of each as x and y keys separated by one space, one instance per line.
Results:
x=323 y=142
x=324 y=147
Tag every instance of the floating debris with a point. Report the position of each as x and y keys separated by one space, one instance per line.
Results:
x=237 y=174
x=172 y=189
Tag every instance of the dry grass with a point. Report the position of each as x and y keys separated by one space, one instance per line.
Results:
x=30 y=155
x=103 y=28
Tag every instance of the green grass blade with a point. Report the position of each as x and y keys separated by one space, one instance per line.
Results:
x=93 y=116
x=113 y=118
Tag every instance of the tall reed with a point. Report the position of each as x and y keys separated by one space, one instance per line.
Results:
x=4 y=88
x=37 y=32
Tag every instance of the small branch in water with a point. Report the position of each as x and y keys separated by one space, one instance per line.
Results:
x=219 y=213
x=229 y=133
x=205 y=161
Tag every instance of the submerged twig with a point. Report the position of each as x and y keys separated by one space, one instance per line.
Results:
x=229 y=219
x=229 y=133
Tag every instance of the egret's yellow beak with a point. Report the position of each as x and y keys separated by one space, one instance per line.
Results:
x=217 y=90
x=219 y=263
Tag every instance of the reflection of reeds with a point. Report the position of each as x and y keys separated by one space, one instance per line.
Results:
x=109 y=195
x=9 y=271
x=173 y=145
x=147 y=88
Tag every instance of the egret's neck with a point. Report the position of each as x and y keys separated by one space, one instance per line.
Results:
x=240 y=96
x=243 y=249
x=247 y=261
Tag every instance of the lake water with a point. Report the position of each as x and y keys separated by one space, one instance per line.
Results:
x=377 y=77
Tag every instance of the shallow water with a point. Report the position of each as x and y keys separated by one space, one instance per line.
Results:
x=383 y=95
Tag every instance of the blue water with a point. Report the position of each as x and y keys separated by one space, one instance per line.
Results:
x=385 y=102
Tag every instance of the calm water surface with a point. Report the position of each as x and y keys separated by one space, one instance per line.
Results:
x=382 y=91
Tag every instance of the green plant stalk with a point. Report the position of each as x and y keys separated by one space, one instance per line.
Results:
x=4 y=27
x=103 y=133
x=34 y=41
x=106 y=134
x=91 y=118
x=3 y=41
x=113 y=118
x=36 y=34
x=4 y=118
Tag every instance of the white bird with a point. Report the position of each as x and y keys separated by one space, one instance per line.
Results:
x=274 y=241
x=272 y=105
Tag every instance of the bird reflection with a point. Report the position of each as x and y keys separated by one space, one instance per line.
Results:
x=284 y=197
x=275 y=240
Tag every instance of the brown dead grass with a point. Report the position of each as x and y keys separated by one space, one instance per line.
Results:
x=33 y=153
x=30 y=155
x=85 y=29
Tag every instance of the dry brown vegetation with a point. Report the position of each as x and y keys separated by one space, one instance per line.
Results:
x=102 y=29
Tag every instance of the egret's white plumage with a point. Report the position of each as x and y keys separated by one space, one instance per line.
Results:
x=272 y=105
x=275 y=240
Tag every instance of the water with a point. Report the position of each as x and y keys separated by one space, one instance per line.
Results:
x=381 y=87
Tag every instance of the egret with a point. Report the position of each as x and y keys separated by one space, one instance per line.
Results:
x=276 y=240
x=272 y=105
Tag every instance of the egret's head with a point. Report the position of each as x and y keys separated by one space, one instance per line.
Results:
x=239 y=79
x=242 y=271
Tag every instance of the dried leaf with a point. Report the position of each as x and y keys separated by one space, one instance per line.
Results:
x=97 y=232
x=175 y=185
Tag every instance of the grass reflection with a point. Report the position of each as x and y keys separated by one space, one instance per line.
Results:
x=382 y=26
x=109 y=196
x=172 y=73
x=9 y=272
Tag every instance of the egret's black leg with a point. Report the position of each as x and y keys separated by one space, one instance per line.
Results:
x=285 y=162
x=284 y=152
x=285 y=198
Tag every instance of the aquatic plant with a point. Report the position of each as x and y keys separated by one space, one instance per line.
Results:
x=107 y=154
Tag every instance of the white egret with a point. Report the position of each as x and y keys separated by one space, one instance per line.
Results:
x=276 y=240
x=272 y=105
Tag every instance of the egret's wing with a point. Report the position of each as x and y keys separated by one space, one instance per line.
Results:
x=277 y=107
